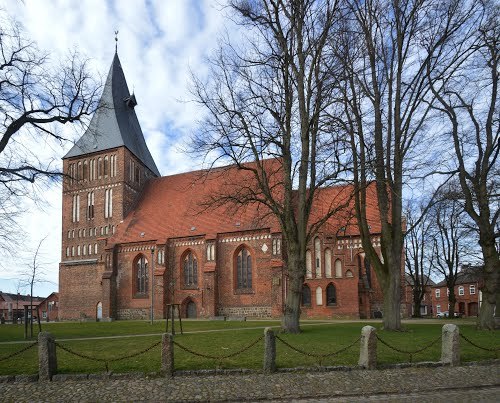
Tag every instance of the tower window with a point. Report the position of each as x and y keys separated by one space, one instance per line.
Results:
x=106 y=166
x=108 y=203
x=76 y=208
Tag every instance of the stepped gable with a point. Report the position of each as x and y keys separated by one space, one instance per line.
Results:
x=115 y=122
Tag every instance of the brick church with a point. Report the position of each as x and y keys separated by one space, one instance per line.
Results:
x=128 y=233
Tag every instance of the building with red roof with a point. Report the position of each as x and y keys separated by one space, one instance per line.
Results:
x=133 y=240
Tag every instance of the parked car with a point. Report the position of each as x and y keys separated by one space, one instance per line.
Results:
x=445 y=314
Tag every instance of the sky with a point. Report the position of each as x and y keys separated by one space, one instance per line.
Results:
x=159 y=44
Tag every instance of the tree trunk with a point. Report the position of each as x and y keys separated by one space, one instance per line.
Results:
x=290 y=321
x=452 y=300
x=417 y=302
x=490 y=288
x=391 y=288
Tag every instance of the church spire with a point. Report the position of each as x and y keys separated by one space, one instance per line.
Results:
x=116 y=42
x=115 y=122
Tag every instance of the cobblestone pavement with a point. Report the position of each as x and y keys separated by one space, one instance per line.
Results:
x=466 y=383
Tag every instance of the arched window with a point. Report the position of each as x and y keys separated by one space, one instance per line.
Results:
x=349 y=274
x=317 y=254
x=331 y=295
x=99 y=167
x=106 y=166
x=244 y=269
x=328 y=262
x=85 y=170
x=306 y=295
x=308 y=264
x=319 y=296
x=190 y=270
x=338 y=268
x=141 y=275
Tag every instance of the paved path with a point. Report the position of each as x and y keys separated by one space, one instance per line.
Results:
x=467 y=383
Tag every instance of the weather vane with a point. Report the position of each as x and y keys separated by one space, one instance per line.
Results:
x=116 y=40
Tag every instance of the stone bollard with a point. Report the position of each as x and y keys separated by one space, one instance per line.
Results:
x=269 y=351
x=167 y=354
x=47 y=359
x=450 y=345
x=368 y=350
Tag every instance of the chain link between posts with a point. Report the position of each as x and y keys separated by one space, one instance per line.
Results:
x=320 y=357
x=495 y=350
x=19 y=352
x=219 y=358
x=410 y=353
x=106 y=361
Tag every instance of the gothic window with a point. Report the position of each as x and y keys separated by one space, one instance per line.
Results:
x=99 y=167
x=76 y=208
x=319 y=296
x=108 y=203
x=317 y=255
x=78 y=250
x=276 y=246
x=95 y=249
x=84 y=249
x=161 y=254
x=331 y=295
x=244 y=270
x=190 y=270
x=106 y=166
x=141 y=275
x=67 y=251
x=210 y=251
x=349 y=274
x=72 y=251
x=90 y=249
x=328 y=262
x=79 y=172
x=85 y=170
x=338 y=268
x=90 y=205
x=308 y=264
x=306 y=295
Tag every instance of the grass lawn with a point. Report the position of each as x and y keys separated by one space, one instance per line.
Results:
x=218 y=338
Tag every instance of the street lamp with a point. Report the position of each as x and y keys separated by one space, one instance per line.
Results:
x=152 y=282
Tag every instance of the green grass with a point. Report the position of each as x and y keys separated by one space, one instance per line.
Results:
x=217 y=338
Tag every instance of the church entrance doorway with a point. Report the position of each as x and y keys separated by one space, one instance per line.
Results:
x=99 y=311
x=190 y=310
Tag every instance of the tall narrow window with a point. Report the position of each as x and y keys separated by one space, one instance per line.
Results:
x=331 y=295
x=85 y=170
x=317 y=254
x=244 y=269
x=141 y=275
x=328 y=262
x=319 y=296
x=210 y=251
x=106 y=166
x=90 y=205
x=76 y=208
x=276 y=246
x=190 y=270
x=108 y=203
x=306 y=295
x=308 y=264
x=79 y=171
x=99 y=167
x=338 y=268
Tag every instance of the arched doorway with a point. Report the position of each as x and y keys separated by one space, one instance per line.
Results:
x=99 y=311
x=190 y=310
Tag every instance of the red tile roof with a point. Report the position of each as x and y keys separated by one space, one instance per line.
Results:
x=176 y=206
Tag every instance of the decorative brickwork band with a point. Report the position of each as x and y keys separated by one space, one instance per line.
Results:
x=269 y=350
x=368 y=348
x=47 y=359
x=167 y=354
x=450 y=345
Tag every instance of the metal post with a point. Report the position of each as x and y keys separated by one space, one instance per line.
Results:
x=152 y=282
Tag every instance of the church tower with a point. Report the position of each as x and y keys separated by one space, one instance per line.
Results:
x=106 y=171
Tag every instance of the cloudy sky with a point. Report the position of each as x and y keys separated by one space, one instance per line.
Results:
x=159 y=43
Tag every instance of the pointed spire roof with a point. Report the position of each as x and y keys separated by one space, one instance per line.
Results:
x=115 y=123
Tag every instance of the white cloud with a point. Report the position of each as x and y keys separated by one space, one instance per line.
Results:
x=158 y=43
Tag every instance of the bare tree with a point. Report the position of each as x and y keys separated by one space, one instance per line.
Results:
x=385 y=48
x=272 y=98
x=465 y=83
x=417 y=249
x=33 y=275
x=36 y=96
x=452 y=241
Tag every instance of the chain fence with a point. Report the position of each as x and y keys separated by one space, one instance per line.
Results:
x=19 y=352
x=495 y=350
x=219 y=358
x=320 y=357
x=410 y=353
x=107 y=361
